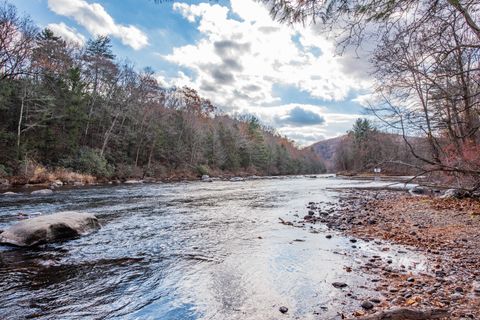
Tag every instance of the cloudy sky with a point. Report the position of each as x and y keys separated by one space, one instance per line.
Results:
x=231 y=52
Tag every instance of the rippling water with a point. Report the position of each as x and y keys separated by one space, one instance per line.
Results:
x=183 y=251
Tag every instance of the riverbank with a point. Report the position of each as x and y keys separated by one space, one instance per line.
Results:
x=446 y=231
x=58 y=180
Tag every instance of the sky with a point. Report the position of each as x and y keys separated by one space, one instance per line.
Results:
x=291 y=77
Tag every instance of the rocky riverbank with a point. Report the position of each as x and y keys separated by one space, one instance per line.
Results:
x=446 y=231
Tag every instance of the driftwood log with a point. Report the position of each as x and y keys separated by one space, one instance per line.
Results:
x=407 y=314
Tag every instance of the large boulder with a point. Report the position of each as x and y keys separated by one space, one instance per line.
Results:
x=49 y=228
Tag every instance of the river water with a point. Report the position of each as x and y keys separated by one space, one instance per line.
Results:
x=187 y=251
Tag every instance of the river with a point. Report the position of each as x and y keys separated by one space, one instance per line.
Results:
x=188 y=250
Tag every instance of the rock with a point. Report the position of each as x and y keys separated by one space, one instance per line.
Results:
x=328 y=236
x=49 y=228
x=57 y=183
x=411 y=279
x=456 y=296
x=133 y=181
x=42 y=192
x=375 y=300
x=417 y=190
x=311 y=213
x=4 y=182
x=440 y=274
x=367 y=305
x=236 y=179
x=78 y=183
x=339 y=285
x=283 y=309
x=353 y=240
x=454 y=194
x=206 y=178
x=408 y=314
x=9 y=193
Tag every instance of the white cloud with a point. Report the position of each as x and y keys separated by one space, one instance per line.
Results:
x=242 y=56
x=98 y=22
x=237 y=62
x=335 y=124
x=69 y=34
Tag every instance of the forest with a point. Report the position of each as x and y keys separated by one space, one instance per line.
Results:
x=81 y=109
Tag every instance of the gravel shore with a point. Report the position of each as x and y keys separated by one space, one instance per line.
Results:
x=446 y=231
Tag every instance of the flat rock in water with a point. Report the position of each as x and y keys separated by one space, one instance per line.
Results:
x=42 y=191
x=133 y=181
x=339 y=285
x=49 y=228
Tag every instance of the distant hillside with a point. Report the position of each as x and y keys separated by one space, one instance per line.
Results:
x=326 y=150
x=393 y=147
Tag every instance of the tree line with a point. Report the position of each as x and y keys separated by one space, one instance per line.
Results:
x=81 y=108
x=365 y=148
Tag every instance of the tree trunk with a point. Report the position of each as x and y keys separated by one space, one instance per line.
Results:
x=108 y=133
x=20 y=119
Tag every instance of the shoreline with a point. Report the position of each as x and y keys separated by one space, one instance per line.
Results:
x=29 y=187
x=445 y=231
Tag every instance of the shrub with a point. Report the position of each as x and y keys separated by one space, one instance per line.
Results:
x=90 y=161
x=202 y=170
x=124 y=171
x=4 y=171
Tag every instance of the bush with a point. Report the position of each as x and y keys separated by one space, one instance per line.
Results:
x=90 y=161
x=202 y=170
x=125 y=171
x=4 y=171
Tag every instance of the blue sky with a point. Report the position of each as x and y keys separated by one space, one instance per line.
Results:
x=231 y=52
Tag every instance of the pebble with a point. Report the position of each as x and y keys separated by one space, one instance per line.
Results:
x=328 y=236
x=367 y=305
x=456 y=296
x=283 y=309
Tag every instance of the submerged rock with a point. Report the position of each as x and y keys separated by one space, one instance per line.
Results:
x=41 y=192
x=49 y=228
x=9 y=193
x=133 y=181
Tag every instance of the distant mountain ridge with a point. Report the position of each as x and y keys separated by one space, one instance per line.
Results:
x=326 y=149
